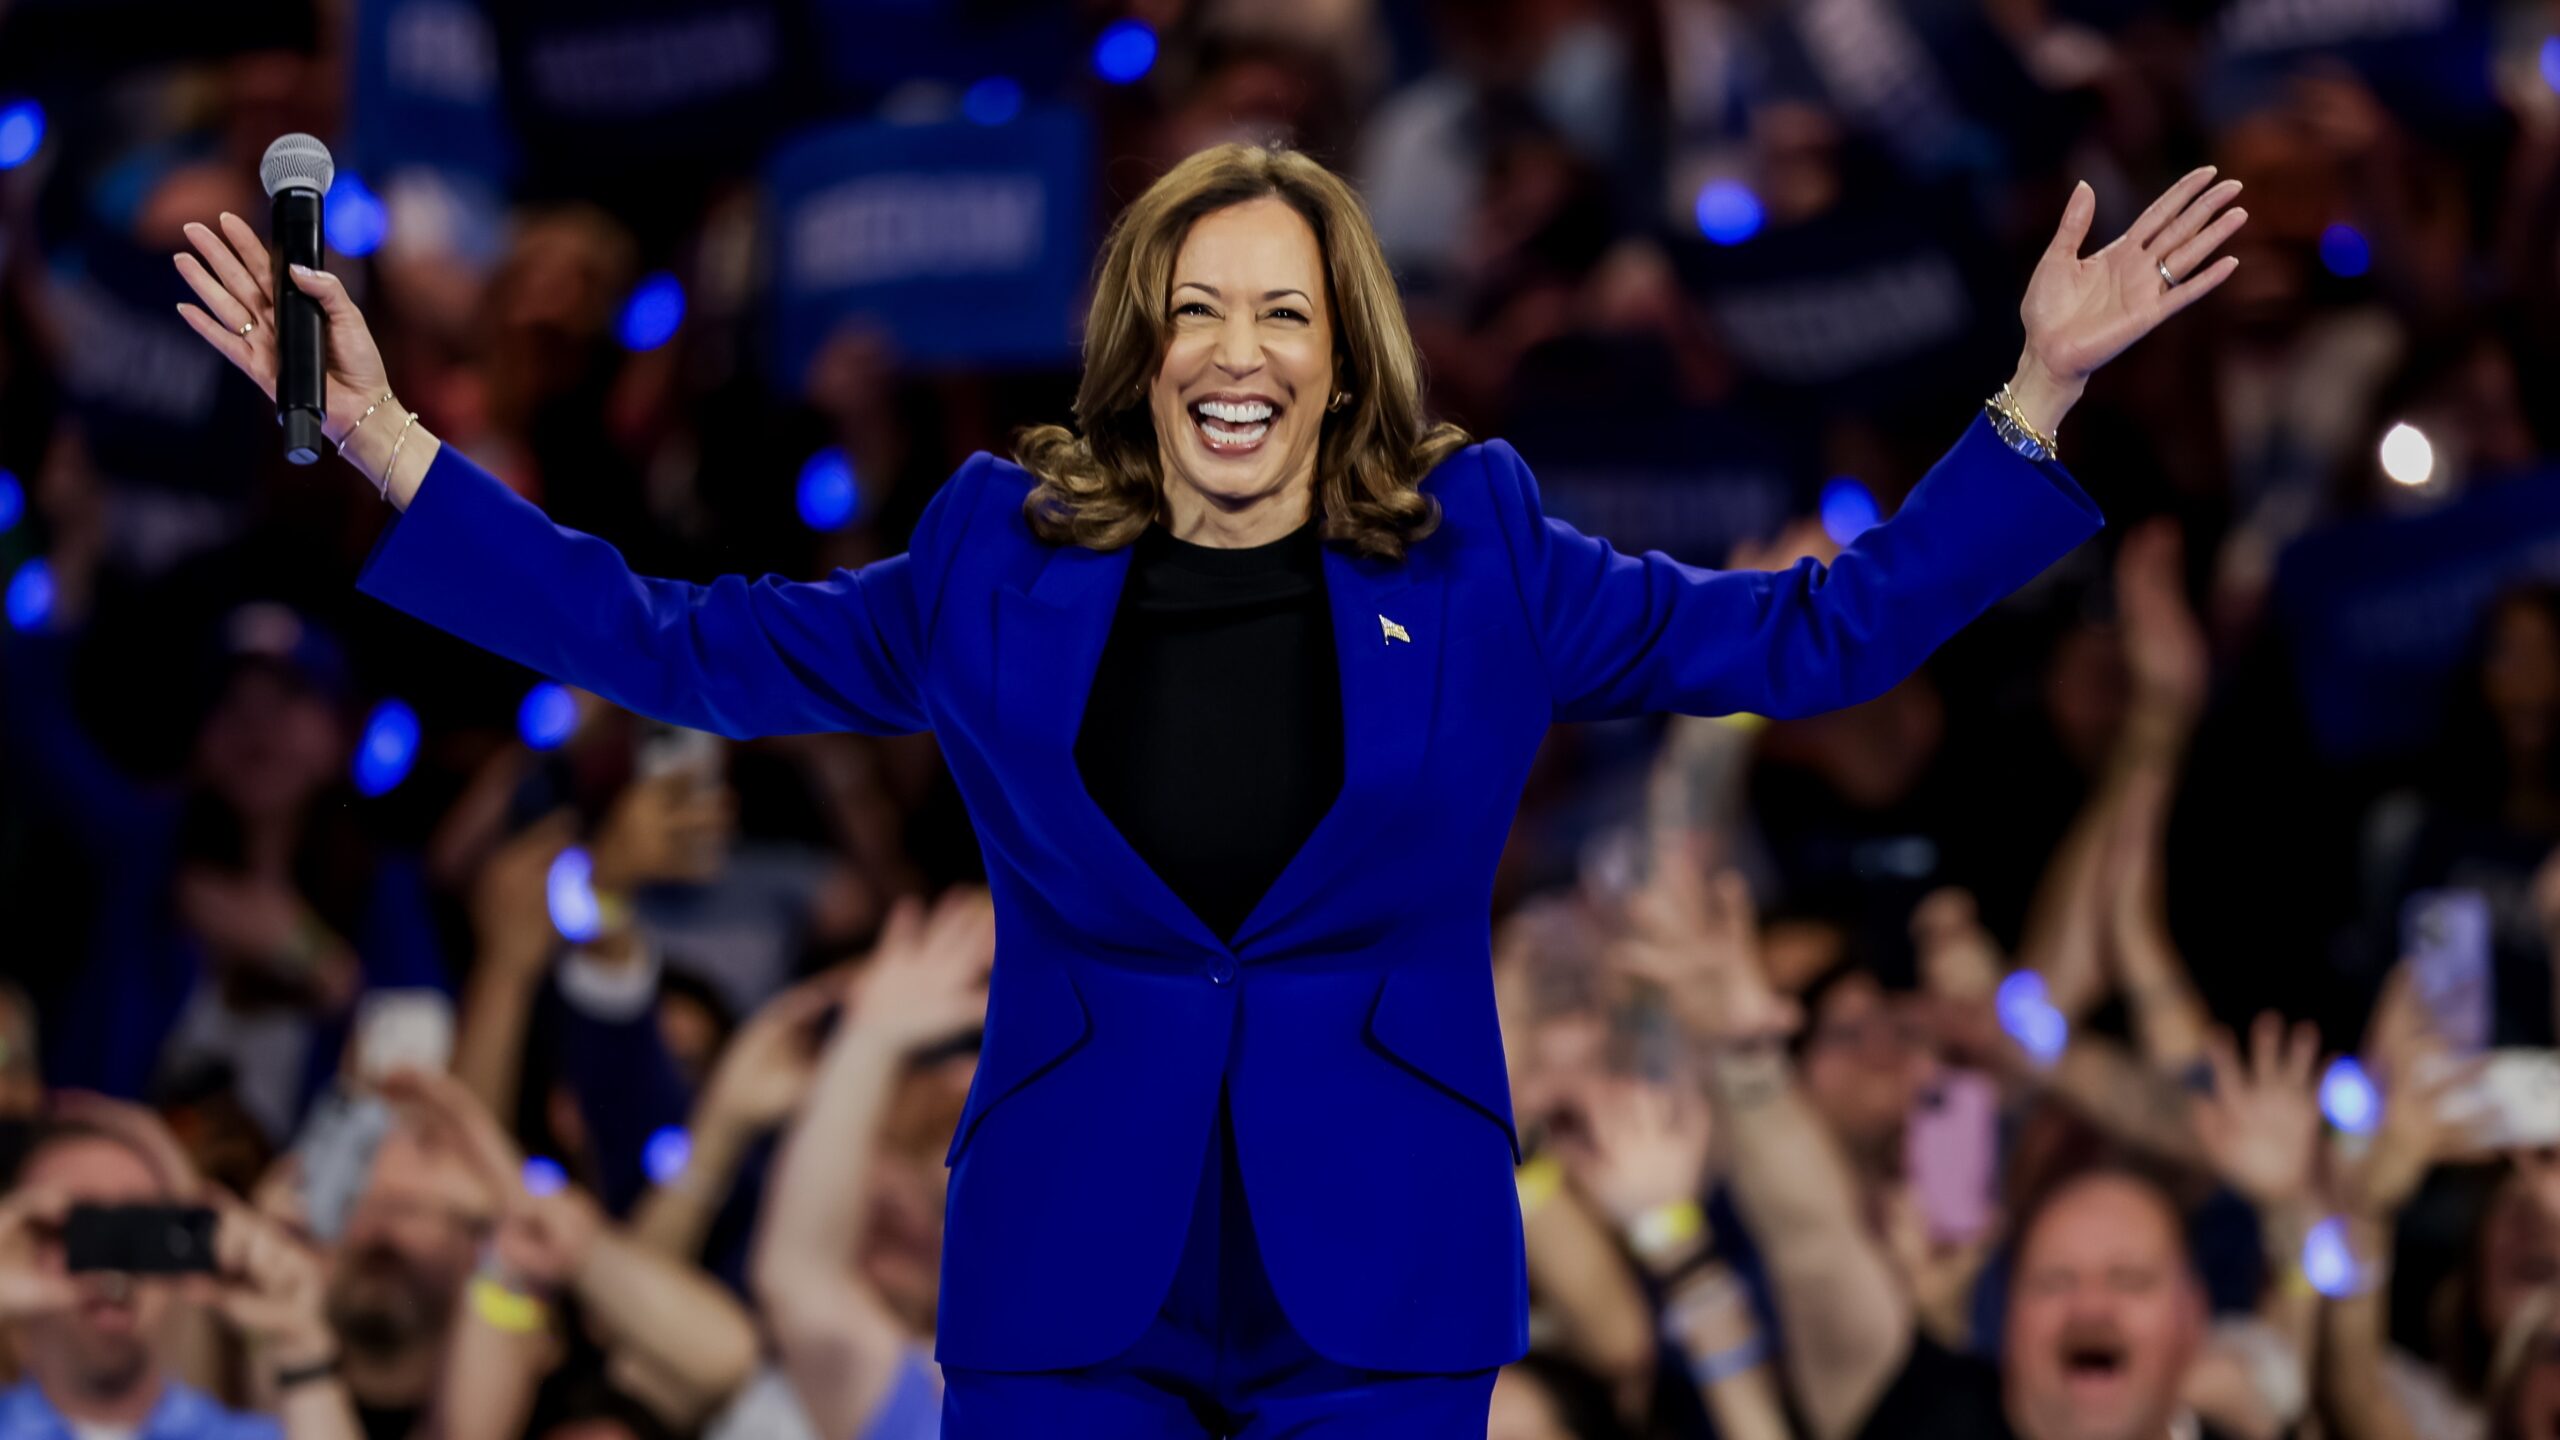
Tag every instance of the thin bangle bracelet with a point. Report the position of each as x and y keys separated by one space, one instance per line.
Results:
x=382 y=487
x=367 y=415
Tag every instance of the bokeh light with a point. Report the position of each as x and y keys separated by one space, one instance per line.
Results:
x=2551 y=62
x=2407 y=456
x=543 y=1176
x=1849 y=509
x=2329 y=1262
x=389 y=747
x=1125 y=52
x=652 y=315
x=2348 y=1098
x=992 y=101
x=1728 y=213
x=572 y=893
x=2344 y=251
x=828 y=494
x=31 y=594
x=356 y=219
x=21 y=133
x=13 y=502
x=547 y=717
x=666 y=1155
x=2030 y=1017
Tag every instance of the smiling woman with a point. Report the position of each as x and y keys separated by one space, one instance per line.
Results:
x=1246 y=356
x=1241 y=678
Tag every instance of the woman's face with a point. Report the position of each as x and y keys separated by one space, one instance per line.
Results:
x=1239 y=401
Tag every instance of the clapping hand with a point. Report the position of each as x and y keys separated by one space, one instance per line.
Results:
x=2080 y=312
x=1648 y=1146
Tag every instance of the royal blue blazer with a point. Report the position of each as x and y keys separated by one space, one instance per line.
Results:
x=1352 y=1017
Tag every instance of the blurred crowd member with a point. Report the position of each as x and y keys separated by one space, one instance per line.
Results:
x=398 y=1271
x=848 y=1306
x=99 y=1346
x=239 y=915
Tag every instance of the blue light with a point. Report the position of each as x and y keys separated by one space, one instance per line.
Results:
x=389 y=746
x=2551 y=62
x=21 y=133
x=547 y=716
x=2348 y=1098
x=2344 y=251
x=13 y=502
x=2030 y=1018
x=666 y=1155
x=543 y=1176
x=2329 y=1262
x=572 y=892
x=356 y=217
x=31 y=594
x=828 y=495
x=992 y=101
x=1728 y=213
x=1848 y=509
x=1126 y=51
x=651 y=315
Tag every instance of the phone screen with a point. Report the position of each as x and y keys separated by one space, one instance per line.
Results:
x=1951 y=1154
x=2445 y=934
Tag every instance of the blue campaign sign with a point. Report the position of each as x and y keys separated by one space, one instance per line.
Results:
x=964 y=243
x=2380 y=611
x=426 y=91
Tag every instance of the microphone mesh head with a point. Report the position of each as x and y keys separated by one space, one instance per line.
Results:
x=297 y=160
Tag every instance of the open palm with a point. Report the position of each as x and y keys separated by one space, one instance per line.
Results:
x=2081 y=312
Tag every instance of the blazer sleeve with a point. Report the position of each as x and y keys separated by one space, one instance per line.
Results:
x=1626 y=635
x=736 y=657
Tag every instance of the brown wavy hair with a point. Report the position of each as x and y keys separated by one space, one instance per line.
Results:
x=1098 y=482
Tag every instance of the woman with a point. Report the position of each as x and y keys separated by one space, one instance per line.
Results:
x=1241 y=683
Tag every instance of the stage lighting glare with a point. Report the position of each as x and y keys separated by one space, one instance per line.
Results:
x=30 y=601
x=1728 y=213
x=389 y=747
x=653 y=313
x=2407 y=457
x=570 y=886
x=2344 y=251
x=828 y=494
x=1125 y=52
x=992 y=101
x=21 y=133
x=546 y=717
x=1848 y=509
x=357 y=219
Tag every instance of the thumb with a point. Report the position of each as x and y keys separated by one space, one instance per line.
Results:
x=2076 y=215
x=326 y=288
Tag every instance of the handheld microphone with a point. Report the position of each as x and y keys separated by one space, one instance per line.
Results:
x=297 y=171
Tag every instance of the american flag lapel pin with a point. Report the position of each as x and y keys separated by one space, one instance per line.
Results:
x=1393 y=631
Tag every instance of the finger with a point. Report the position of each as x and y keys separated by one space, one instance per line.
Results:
x=326 y=288
x=2192 y=253
x=2151 y=221
x=2222 y=1057
x=2194 y=288
x=2183 y=226
x=217 y=297
x=252 y=252
x=233 y=348
x=2304 y=1058
x=226 y=267
x=2266 y=1047
x=2073 y=232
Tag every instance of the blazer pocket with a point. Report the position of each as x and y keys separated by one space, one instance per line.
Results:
x=1036 y=1018
x=1447 y=1031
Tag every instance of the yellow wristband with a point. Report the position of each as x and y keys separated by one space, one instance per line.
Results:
x=510 y=1310
x=1538 y=1179
x=1663 y=1229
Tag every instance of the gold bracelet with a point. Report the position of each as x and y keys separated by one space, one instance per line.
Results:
x=382 y=487
x=2006 y=403
x=367 y=415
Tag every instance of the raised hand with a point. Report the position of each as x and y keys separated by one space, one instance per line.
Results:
x=926 y=980
x=271 y=1287
x=238 y=318
x=1649 y=1146
x=2164 y=647
x=2261 y=1125
x=666 y=828
x=765 y=1072
x=32 y=1280
x=2080 y=312
x=1698 y=938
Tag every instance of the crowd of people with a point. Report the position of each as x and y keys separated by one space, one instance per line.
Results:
x=2083 y=1041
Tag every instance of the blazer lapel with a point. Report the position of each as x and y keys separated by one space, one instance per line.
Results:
x=1388 y=633
x=1049 y=642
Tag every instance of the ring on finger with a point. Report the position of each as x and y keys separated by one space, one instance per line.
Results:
x=2165 y=277
x=251 y=324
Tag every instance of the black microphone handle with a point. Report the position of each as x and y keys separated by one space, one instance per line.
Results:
x=302 y=333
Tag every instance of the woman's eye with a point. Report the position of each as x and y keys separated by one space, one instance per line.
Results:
x=1190 y=308
x=1285 y=314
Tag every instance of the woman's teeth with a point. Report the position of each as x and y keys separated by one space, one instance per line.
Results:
x=1236 y=423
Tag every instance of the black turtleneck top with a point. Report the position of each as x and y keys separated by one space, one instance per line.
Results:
x=1213 y=737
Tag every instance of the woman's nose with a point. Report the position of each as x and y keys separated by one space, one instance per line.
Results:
x=1239 y=347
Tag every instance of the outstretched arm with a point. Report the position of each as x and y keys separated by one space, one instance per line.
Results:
x=468 y=556
x=1621 y=635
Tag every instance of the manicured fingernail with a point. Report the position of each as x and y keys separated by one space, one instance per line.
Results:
x=303 y=270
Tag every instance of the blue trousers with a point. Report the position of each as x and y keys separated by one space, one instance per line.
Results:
x=1221 y=1362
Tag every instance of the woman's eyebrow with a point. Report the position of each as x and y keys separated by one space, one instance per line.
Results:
x=1217 y=294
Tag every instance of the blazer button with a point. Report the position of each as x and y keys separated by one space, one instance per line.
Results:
x=1222 y=969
